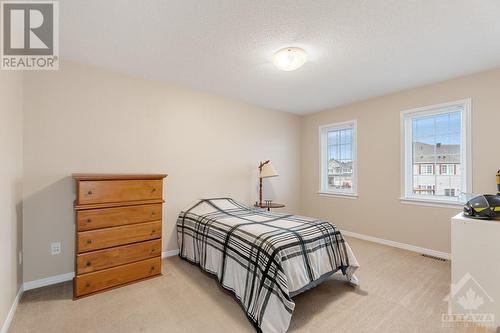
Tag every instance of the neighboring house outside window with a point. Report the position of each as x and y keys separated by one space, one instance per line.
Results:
x=436 y=157
x=338 y=159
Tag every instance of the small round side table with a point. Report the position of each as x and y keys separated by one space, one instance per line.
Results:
x=269 y=206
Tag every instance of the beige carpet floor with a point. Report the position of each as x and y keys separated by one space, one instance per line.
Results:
x=400 y=291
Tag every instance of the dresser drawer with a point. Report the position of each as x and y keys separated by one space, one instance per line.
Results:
x=109 y=237
x=102 y=259
x=107 y=191
x=112 y=217
x=112 y=277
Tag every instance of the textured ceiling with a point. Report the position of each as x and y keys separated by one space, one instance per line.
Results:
x=357 y=49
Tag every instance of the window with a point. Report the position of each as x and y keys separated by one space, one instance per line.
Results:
x=427 y=169
x=424 y=189
x=449 y=192
x=448 y=169
x=436 y=158
x=338 y=159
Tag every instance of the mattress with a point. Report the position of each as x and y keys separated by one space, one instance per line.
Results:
x=262 y=258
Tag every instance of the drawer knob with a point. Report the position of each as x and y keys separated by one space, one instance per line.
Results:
x=88 y=263
x=153 y=251
x=89 y=220
x=89 y=241
x=87 y=285
x=89 y=192
x=153 y=190
x=152 y=268
x=153 y=231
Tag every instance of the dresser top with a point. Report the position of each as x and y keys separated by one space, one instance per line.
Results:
x=116 y=176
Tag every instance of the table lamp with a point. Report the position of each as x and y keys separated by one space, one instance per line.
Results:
x=266 y=170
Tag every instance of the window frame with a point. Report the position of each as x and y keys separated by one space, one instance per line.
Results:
x=407 y=117
x=444 y=170
x=323 y=162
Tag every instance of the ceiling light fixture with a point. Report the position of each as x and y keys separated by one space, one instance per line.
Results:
x=289 y=58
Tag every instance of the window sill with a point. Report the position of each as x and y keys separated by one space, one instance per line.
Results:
x=338 y=195
x=431 y=203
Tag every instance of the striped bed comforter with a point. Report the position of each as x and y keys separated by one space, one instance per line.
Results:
x=263 y=258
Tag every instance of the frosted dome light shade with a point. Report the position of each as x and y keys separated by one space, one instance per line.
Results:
x=289 y=58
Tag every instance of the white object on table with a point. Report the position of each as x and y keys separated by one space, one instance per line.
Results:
x=475 y=267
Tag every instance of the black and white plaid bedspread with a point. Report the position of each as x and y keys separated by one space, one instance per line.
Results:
x=263 y=258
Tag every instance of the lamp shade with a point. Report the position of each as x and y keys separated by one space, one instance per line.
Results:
x=268 y=171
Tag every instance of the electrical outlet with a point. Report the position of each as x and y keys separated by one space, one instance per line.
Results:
x=55 y=248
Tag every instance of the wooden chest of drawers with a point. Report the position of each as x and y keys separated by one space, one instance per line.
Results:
x=118 y=230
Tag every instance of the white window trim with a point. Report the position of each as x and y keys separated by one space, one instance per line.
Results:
x=338 y=195
x=466 y=152
x=431 y=203
x=323 y=163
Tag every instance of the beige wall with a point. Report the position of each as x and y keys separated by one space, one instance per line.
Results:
x=378 y=212
x=11 y=145
x=82 y=119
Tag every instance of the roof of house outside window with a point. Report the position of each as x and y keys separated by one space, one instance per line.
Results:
x=424 y=153
x=338 y=164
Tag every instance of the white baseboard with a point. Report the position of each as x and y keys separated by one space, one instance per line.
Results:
x=403 y=246
x=170 y=253
x=10 y=315
x=68 y=276
x=48 y=281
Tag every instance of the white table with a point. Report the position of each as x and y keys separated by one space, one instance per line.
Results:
x=475 y=266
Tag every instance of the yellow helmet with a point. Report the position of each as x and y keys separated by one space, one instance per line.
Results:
x=498 y=182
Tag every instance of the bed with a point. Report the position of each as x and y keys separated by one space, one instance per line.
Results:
x=262 y=258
